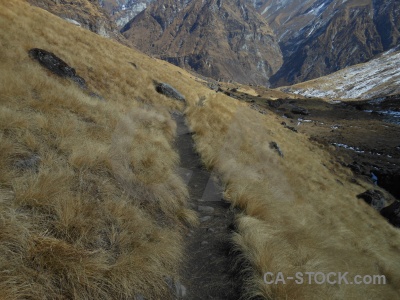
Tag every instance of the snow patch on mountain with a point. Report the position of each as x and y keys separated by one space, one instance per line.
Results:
x=378 y=77
x=317 y=10
x=122 y=11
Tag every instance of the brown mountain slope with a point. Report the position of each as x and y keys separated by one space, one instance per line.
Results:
x=221 y=39
x=317 y=37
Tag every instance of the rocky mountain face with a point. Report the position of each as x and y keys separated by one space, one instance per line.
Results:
x=223 y=39
x=318 y=37
x=230 y=41
x=122 y=11
x=85 y=13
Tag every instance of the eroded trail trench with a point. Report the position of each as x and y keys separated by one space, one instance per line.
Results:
x=209 y=272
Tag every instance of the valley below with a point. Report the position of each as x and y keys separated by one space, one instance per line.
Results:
x=364 y=135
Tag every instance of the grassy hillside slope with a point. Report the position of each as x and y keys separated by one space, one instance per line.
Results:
x=92 y=207
x=299 y=212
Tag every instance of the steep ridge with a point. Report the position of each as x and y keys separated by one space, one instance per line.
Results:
x=225 y=40
x=122 y=11
x=288 y=17
x=377 y=78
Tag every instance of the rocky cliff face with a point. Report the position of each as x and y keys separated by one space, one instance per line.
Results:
x=223 y=39
x=318 y=37
x=122 y=11
x=85 y=13
x=228 y=40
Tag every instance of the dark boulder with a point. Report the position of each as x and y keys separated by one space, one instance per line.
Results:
x=213 y=86
x=297 y=110
x=258 y=108
x=275 y=103
x=274 y=146
x=389 y=180
x=355 y=167
x=374 y=198
x=291 y=128
x=288 y=115
x=392 y=213
x=133 y=64
x=56 y=65
x=169 y=91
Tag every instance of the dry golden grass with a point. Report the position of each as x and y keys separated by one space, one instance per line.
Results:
x=300 y=212
x=91 y=205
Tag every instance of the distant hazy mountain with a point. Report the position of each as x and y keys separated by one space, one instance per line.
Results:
x=224 y=39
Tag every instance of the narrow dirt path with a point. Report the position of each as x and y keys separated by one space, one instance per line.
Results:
x=209 y=272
